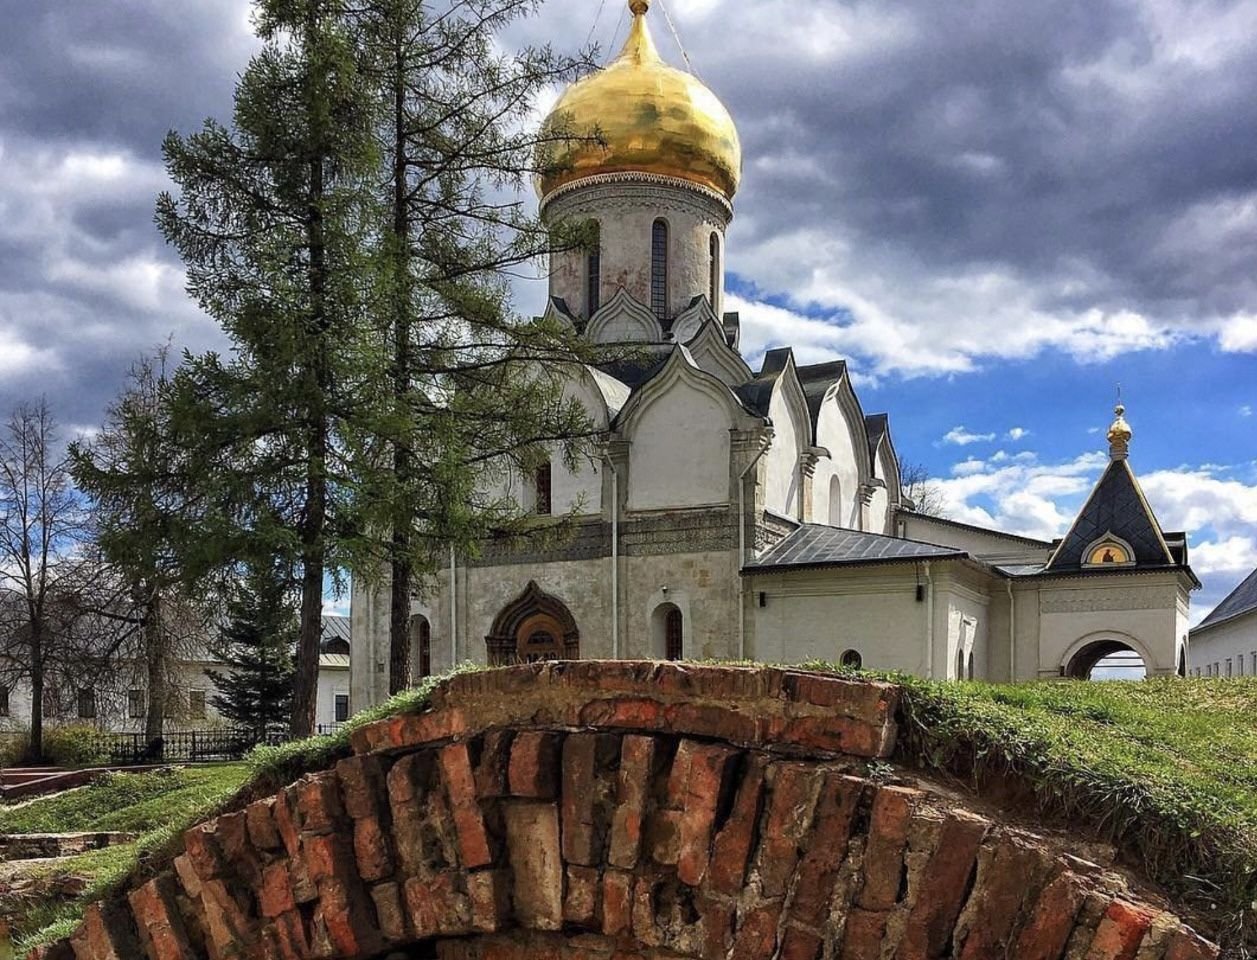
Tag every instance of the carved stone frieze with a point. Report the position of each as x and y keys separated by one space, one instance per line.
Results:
x=1098 y=601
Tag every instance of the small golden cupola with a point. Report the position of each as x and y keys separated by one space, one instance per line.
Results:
x=1120 y=435
x=640 y=115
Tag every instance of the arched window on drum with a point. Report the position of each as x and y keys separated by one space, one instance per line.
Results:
x=659 y=269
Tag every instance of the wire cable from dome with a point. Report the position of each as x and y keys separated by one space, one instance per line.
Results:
x=677 y=38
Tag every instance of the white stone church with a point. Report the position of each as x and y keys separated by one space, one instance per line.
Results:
x=754 y=514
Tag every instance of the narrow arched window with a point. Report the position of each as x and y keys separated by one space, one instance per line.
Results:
x=543 y=490
x=715 y=271
x=593 y=270
x=425 y=649
x=673 y=631
x=659 y=269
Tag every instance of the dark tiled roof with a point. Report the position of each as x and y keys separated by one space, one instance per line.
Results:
x=335 y=634
x=815 y=545
x=817 y=378
x=876 y=425
x=756 y=395
x=634 y=371
x=1116 y=506
x=1241 y=600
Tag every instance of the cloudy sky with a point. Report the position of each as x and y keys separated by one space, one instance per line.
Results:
x=995 y=210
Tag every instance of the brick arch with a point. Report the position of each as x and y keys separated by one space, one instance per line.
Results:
x=568 y=811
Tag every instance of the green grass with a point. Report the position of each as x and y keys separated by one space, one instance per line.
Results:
x=1164 y=769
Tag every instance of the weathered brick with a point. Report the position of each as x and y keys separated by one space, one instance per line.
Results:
x=712 y=720
x=799 y=944
x=158 y=921
x=228 y=918
x=1120 y=932
x=319 y=804
x=637 y=756
x=756 y=935
x=1052 y=920
x=362 y=786
x=863 y=934
x=580 y=902
x=275 y=894
x=436 y=906
x=57 y=950
x=489 y=893
x=1185 y=945
x=389 y=912
x=699 y=772
x=663 y=836
x=534 y=766
x=580 y=751
x=631 y=713
x=1005 y=880
x=493 y=765
x=825 y=849
x=883 y=858
x=348 y=917
x=794 y=787
x=262 y=830
x=460 y=788
x=732 y=848
x=943 y=885
x=840 y=735
x=617 y=903
x=718 y=918
x=532 y=836
x=106 y=933
x=372 y=849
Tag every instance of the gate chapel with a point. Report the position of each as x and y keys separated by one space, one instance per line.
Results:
x=744 y=513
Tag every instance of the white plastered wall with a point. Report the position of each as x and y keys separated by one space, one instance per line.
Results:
x=1234 y=641
x=782 y=460
x=679 y=455
x=835 y=435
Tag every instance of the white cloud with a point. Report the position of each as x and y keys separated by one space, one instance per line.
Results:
x=963 y=438
x=968 y=468
x=1246 y=410
x=1239 y=334
x=1016 y=434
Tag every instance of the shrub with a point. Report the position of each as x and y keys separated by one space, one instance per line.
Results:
x=75 y=745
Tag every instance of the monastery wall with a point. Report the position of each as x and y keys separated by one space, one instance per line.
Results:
x=1227 y=650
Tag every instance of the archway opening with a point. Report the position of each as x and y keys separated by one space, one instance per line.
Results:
x=535 y=626
x=1106 y=660
x=667 y=628
x=421 y=639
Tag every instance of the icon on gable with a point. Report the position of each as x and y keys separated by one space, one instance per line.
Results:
x=1108 y=553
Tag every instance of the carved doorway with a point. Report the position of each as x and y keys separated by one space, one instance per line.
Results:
x=534 y=626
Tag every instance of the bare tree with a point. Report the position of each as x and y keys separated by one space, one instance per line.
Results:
x=42 y=526
x=922 y=489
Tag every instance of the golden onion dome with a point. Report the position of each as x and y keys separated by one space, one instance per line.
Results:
x=639 y=115
x=1120 y=433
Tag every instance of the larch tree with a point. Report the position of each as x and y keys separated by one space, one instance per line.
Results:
x=467 y=383
x=269 y=217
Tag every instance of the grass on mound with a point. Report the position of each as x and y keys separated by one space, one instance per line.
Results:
x=1165 y=769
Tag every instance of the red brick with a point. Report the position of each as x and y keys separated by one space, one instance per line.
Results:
x=160 y=925
x=493 y=767
x=637 y=755
x=580 y=902
x=732 y=848
x=228 y=918
x=106 y=933
x=460 y=788
x=714 y=721
x=580 y=751
x=372 y=850
x=617 y=903
x=943 y=885
x=327 y=857
x=436 y=906
x=288 y=937
x=883 y=858
x=362 y=785
x=856 y=738
x=489 y=892
x=200 y=845
x=348 y=918
x=319 y=804
x=628 y=713
x=718 y=918
x=389 y=912
x=1185 y=945
x=262 y=829
x=532 y=837
x=1120 y=932
x=862 y=936
x=1047 y=931
x=705 y=768
x=799 y=944
x=826 y=848
x=275 y=894
x=282 y=813
x=756 y=936
x=645 y=928
x=1004 y=882
x=535 y=765
x=789 y=815
x=663 y=836
x=57 y=950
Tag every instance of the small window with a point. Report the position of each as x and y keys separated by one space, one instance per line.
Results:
x=970 y=664
x=659 y=269
x=196 y=704
x=960 y=664
x=714 y=292
x=87 y=704
x=851 y=660
x=593 y=271
x=673 y=635
x=137 y=703
x=4 y=701
x=543 y=490
x=342 y=707
x=1228 y=666
x=425 y=649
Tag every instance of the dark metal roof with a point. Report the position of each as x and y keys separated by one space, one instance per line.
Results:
x=816 y=545
x=756 y=395
x=336 y=635
x=876 y=426
x=816 y=379
x=1241 y=600
x=1115 y=507
x=636 y=370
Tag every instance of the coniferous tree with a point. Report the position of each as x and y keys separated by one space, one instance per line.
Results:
x=467 y=385
x=270 y=221
x=256 y=646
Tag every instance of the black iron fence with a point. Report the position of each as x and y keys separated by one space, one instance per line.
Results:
x=189 y=746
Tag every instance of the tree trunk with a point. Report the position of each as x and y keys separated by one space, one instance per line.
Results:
x=37 y=696
x=155 y=667
x=401 y=569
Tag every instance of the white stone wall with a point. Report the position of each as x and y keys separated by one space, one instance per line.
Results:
x=782 y=460
x=835 y=435
x=626 y=209
x=980 y=543
x=1227 y=650
x=679 y=454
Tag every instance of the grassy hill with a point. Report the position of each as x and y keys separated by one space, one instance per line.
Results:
x=1164 y=769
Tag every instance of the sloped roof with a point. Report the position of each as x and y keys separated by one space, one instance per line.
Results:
x=1116 y=506
x=817 y=545
x=876 y=425
x=335 y=628
x=817 y=378
x=1241 y=600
